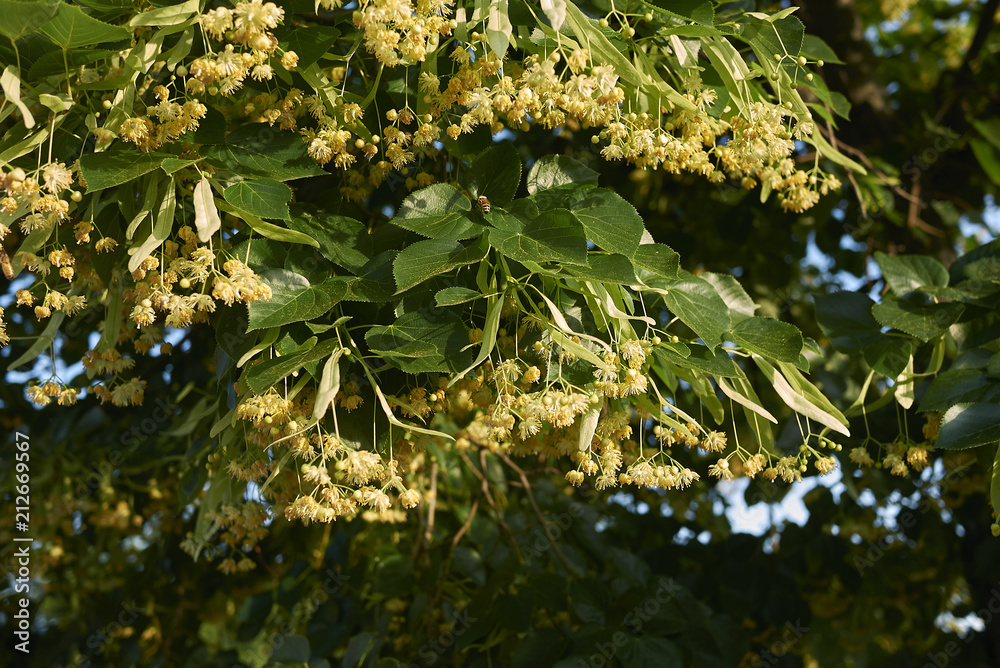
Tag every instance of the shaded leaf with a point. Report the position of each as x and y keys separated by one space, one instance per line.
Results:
x=699 y=306
x=969 y=425
x=846 y=318
x=956 y=386
x=117 y=166
x=609 y=221
x=496 y=173
x=452 y=296
x=555 y=236
x=342 y=240
x=919 y=320
x=439 y=211
x=662 y=261
x=265 y=374
x=905 y=273
x=258 y=150
x=71 y=28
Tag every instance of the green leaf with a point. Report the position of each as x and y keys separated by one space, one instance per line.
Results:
x=161 y=229
x=956 y=386
x=889 y=357
x=293 y=299
x=699 y=306
x=375 y=282
x=265 y=374
x=453 y=296
x=993 y=366
x=117 y=166
x=439 y=211
x=609 y=221
x=969 y=426
x=604 y=268
x=71 y=28
x=662 y=261
x=262 y=151
x=490 y=328
x=699 y=11
x=266 y=229
x=310 y=43
x=173 y=165
x=170 y=15
x=846 y=318
x=551 y=171
x=294 y=649
x=769 y=338
x=264 y=198
x=423 y=341
x=922 y=321
x=18 y=19
x=713 y=361
x=42 y=343
x=740 y=305
x=424 y=259
x=989 y=129
x=815 y=48
x=650 y=650
x=342 y=240
x=55 y=62
x=496 y=174
x=988 y=157
x=112 y=316
x=555 y=236
x=840 y=105
x=905 y=273
x=768 y=37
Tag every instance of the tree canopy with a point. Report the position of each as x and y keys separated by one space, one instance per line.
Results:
x=387 y=333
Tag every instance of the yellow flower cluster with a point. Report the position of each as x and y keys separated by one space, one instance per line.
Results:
x=247 y=26
x=41 y=199
x=174 y=119
x=190 y=268
x=42 y=394
x=399 y=33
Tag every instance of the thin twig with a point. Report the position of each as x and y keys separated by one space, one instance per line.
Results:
x=431 y=505
x=538 y=513
x=913 y=213
x=489 y=499
x=465 y=525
